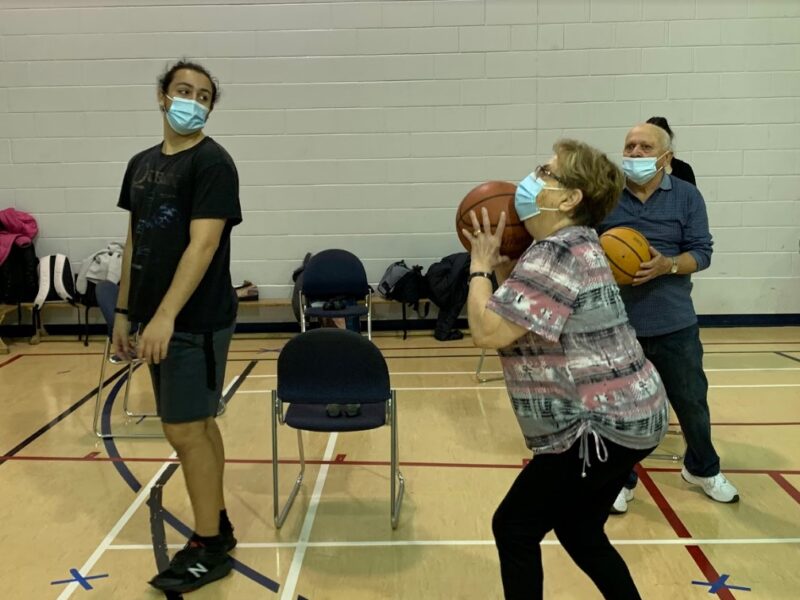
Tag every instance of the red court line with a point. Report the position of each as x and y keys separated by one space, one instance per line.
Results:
x=705 y=566
x=11 y=360
x=757 y=424
x=750 y=343
x=709 y=572
x=747 y=424
x=35 y=354
x=741 y=471
x=352 y=463
x=784 y=483
x=670 y=515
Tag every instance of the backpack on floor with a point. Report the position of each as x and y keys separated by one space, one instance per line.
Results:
x=407 y=286
x=403 y=283
x=19 y=278
x=56 y=282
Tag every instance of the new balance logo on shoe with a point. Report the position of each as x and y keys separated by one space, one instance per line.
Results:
x=193 y=567
x=198 y=570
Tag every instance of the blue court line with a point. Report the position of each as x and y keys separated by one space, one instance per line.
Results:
x=133 y=483
x=184 y=530
x=720 y=584
x=78 y=578
x=44 y=429
x=155 y=504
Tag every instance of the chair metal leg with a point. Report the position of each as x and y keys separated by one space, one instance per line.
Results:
x=98 y=399
x=98 y=404
x=125 y=402
x=369 y=316
x=478 y=376
x=671 y=455
x=302 y=312
x=279 y=513
x=396 y=475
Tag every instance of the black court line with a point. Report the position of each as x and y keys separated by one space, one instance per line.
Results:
x=446 y=348
x=784 y=355
x=157 y=532
x=157 y=518
x=235 y=387
x=435 y=348
x=44 y=429
x=275 y=359
x=445 y=356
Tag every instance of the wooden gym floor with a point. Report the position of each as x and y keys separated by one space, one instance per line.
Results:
x=76 y=520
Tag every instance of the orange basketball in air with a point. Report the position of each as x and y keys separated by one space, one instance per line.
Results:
x=626 y=249
x=496 y=197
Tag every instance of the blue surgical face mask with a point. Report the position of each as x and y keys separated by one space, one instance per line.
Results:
x=186 y=116
x=640 y=170
x=525 y=198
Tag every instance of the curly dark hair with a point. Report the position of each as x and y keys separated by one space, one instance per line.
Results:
x=167 y=76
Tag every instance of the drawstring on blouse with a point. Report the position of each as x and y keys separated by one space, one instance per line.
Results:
x=583 y=451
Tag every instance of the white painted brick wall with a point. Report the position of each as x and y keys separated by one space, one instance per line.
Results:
x=361 y=123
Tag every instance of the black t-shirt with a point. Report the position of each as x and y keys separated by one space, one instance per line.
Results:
x=164 y=193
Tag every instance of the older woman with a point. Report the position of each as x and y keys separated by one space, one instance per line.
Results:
x=588 y=402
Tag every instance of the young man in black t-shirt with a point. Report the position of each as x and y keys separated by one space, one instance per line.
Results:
x=183 y=196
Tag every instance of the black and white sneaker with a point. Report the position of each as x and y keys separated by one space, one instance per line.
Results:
x=226 y=533
x=193 y=567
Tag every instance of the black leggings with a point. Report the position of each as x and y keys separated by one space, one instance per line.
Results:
x=550 y=494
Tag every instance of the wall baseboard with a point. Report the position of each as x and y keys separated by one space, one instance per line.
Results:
x=767 y=320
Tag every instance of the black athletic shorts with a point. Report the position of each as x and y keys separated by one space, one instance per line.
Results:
x=188 y=383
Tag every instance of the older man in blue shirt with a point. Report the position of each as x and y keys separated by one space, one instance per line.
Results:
x=671 y=214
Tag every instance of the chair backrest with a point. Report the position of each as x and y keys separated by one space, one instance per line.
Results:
x=332 y=366
x=332 y=273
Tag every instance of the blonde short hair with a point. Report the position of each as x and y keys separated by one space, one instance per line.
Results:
x=587 y=169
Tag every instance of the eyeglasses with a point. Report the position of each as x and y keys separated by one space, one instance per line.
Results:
x=544 y=171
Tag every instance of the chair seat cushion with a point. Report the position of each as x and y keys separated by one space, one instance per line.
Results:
x=313 y=417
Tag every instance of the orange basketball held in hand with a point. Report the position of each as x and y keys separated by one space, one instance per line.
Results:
x=626 y=249
x=496 y=197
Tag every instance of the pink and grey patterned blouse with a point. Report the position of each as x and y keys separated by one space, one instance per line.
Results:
x=580 y=370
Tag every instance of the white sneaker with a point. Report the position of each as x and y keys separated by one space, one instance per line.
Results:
x=717 y=487
x=620 y=505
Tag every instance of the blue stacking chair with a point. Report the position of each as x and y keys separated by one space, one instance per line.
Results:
x=106 y=293
x=335 y=285
x=326 y=366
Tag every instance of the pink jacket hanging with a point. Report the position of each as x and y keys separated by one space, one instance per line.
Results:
x=16 y=227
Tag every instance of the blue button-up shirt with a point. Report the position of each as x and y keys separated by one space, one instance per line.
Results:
x=674 y=220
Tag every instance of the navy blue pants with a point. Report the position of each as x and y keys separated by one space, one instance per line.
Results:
x=678 y=358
